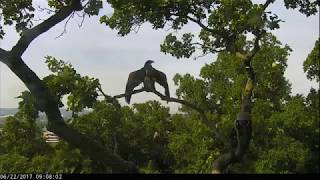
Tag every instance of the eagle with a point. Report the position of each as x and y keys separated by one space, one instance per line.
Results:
x=148 y=76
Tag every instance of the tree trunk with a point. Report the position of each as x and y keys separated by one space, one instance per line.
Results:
x=242 y=126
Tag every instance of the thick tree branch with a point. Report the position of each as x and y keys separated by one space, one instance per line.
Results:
x=29 y=35
x=4 y=55
x=267 y=3
x=46 y=102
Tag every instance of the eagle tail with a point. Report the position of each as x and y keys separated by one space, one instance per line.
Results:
x=128 y=97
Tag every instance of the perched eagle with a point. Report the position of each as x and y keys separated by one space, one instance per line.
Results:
x=148 y=75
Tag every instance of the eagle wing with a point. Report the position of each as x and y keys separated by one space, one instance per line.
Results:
x=161 y=78
x=134 y=79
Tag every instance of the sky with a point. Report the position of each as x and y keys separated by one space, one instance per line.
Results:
x=97 y=51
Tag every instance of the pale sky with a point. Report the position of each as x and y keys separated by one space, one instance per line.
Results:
x=99 y=52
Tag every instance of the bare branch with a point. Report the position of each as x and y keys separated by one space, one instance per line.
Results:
x=65 y=26
x=49 y=11
x=200 y=56
x=136 y=28
x=82 y=19
x=29 y=35
x=198 y=21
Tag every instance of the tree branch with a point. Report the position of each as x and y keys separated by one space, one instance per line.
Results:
x=29 y=35
x=170 y=99
x=267 y=3
x=65 y=26
x=109 y=99
x=242 y=126
x=4 y=55
x=134 y=92
x=200 y=24
x=202 y=113
x=46 y=102
x=198 y=21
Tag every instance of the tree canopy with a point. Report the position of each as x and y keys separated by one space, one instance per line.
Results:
x=207 y=135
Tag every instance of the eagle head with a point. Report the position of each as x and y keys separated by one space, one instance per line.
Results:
x=149 y=62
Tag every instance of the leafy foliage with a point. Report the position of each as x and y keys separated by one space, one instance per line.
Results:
x=178 y=49
x=306 y=7
x=311 y=64
x=81 y=91
x=18 y=12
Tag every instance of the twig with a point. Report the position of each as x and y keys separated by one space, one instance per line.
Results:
x=65 y=26
x=201 y=56
x=49 y=11
x=82 y=20
x=136 y=28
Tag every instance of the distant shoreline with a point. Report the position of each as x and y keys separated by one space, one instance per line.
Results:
x=8 y=111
